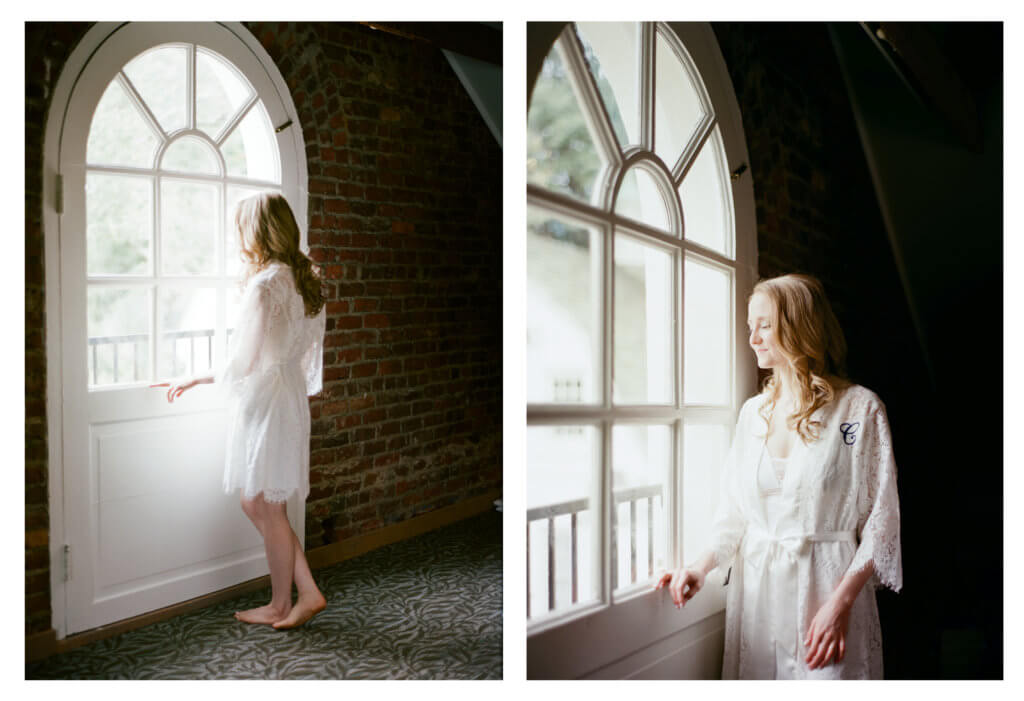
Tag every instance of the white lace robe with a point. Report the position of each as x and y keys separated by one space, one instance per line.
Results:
x=840 y=511
x=275 y=360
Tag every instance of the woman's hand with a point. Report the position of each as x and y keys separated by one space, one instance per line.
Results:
x=826 y=636
x=178 y=388
x=682 y=584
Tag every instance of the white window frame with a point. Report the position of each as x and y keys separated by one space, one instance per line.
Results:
x=554 y=641
x=103 y=50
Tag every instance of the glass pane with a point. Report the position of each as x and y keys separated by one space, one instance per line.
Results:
x=706 y=334
x=188 y=227
x=563 y=326
x=704 y=450
x=119 y=224
x=640 y=199
x=188 y=319
x=119 y=134
x=160 y=76
x=118 y=350
x=560 y=153
x=562 y=481
x=231 y=249
x=220 y=92
x=643 y=324
x=677 y=107
x=251 y=150
x=641 y=465
x=612 y=50
x=190 y=154
x=707 y=197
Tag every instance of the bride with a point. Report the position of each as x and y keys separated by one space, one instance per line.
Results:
x=808 y=517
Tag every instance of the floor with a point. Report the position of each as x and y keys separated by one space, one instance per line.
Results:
x=425 y=608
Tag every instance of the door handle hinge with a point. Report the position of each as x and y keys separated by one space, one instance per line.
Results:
x=67 y=562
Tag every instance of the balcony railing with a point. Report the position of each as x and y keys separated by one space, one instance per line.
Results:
x=137 y=340
x=573 y=509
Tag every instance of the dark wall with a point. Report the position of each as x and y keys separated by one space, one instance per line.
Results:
x=405 y=220
x=818 y=212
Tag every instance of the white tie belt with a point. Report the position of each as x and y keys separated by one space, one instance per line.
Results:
x=778 y=563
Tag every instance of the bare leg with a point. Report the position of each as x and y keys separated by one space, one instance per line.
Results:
x=280 y=544
x=310 y=601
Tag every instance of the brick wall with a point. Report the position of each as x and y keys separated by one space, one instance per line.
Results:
x=405 y=219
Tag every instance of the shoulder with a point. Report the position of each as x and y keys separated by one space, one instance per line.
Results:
x=273 y=280
x=857 y=399
x=751 y=407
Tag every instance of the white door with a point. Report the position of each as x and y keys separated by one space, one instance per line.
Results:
x=168 y=125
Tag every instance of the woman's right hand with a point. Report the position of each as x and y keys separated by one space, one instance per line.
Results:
x=682 y=584
x=178 y=388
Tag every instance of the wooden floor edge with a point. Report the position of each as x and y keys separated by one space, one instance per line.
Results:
x=43 y=644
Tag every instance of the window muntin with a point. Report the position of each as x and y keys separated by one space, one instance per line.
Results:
x=178 y=137
x=648 y=180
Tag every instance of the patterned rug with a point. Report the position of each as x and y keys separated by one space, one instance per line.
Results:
x=425 y=608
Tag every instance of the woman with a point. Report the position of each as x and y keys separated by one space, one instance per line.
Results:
x=275 y=361
x=808 y=517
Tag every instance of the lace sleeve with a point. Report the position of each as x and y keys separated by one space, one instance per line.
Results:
x=729 y=524
x=878 y=526
x=251 y=329
x=313 y=358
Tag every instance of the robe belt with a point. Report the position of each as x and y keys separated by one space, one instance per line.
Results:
x=779 y=563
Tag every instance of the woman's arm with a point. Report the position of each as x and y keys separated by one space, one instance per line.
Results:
x=826 y=636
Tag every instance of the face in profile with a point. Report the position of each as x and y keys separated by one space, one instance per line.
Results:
x=760 y=313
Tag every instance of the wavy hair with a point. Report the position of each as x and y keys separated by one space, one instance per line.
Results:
x=267 y=232
x=811 y=342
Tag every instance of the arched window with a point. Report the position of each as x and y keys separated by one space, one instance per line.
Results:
x=156 y=130
x=178 y=137
x=639 y=253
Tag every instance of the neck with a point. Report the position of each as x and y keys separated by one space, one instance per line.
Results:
x=786 y=382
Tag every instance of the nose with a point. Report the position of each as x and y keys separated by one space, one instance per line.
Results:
x=755 y=337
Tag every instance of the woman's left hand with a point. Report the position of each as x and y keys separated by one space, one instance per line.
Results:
x=826 y=636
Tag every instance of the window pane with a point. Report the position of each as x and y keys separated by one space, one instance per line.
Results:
x=188 y=227
x=160 y=76
x=188 y=318
x=642 y=458
x=231 y=250
x=119 y=224
x=640 y=199
x=190 y=155
x=118 y=350
x=562 y=481
x=677 y=107
x=560 y=153
x=119 y=134
x=563 y=337
x=704 y=450
x=707 y=197
x=251 y=150
x=706 y=334
x=220 y=92
x=643 y=324
x=612 y=50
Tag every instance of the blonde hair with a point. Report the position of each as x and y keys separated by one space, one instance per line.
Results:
x=812 y=344
x=267 y=231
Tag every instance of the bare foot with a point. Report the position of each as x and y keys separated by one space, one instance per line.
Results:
x=264 y=614
x=304 y=609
